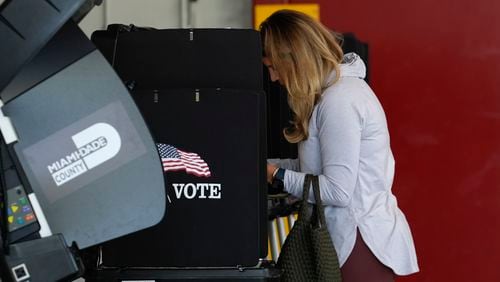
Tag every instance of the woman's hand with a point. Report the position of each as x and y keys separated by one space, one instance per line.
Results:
x=271 y=168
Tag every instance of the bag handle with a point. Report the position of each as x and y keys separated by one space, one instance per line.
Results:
x=305 y=195
x=320 y=210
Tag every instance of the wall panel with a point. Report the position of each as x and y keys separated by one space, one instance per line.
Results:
x=435 y=67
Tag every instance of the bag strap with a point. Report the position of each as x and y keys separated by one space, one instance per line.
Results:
x=320 y=210
x=305 y=195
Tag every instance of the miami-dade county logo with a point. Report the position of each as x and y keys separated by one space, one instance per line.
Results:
x=94 y=145
x=174 y=159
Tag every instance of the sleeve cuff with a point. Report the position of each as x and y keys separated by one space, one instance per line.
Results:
x=280 y=174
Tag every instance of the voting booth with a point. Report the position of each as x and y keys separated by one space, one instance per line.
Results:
x=201 y=93
x=75 y=149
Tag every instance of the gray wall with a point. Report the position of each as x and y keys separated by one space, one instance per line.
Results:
x=170 y=14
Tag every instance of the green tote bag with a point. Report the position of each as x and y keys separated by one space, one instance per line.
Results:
x=308 y=253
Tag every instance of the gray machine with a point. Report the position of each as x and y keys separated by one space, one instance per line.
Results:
x=78 y=164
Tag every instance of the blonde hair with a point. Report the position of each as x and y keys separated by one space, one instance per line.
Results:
x=304 y=53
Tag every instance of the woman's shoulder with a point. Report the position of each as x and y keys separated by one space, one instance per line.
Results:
x=346 y=98
x=345 y=90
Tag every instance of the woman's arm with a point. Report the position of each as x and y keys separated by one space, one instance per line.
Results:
x=274 y=164
x=292 y=164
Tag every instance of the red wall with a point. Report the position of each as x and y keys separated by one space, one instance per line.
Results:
x=435 y=66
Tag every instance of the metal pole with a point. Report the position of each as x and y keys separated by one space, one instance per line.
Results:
x=185 y=12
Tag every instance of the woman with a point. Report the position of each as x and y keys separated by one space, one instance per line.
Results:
x=342 y=136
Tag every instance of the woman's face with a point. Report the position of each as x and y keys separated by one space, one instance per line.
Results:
x=272 y=72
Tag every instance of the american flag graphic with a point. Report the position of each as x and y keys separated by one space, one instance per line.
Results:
x=174 y=159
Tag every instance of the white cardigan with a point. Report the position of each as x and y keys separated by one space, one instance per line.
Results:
x=349 y=148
